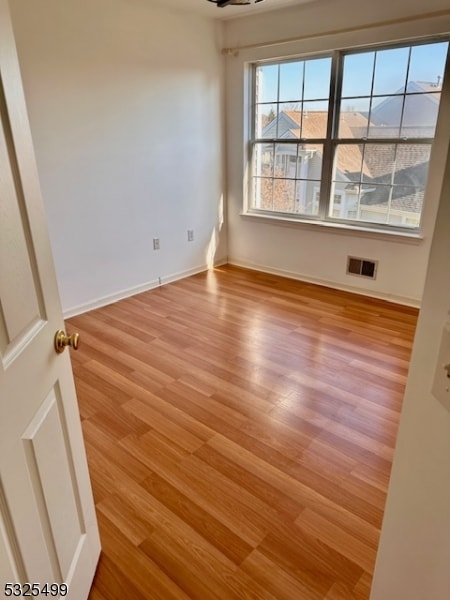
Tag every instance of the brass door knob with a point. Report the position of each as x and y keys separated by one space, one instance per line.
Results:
x=62 y=340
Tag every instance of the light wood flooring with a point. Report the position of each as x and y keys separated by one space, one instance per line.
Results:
x=240 y=430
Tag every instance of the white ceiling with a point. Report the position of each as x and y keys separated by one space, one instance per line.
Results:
x=208 y=9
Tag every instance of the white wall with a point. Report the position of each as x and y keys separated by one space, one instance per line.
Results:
x=413 y=560
x=312 y=252
x=125 y=103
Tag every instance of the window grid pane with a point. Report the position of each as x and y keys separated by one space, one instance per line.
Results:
x=380 y=183
x=287 y=177
x=385 y=121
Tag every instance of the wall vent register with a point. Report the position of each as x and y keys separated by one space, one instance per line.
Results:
x=362 y=267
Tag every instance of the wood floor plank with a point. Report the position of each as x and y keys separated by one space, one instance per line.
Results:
x=230 y=544
x=306 y=495
x=100 y=440
x=340 y=591
x=133 y=525
x=235 y=413
x=163 y=425
x=250 y=482
x=343 y=542
x=176 y=561
x=361 y=590
x=199 y=574
x=111 y=584
x=311 y=560
x=126 y=362
x=224 y=507
x=134 y=565
x=239 y=430
x=284 y=584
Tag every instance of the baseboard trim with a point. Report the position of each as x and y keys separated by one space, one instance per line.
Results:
x=404 y=300
x=153 y=284
x=133 y=291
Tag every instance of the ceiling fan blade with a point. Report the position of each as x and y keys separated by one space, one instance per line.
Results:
x=223 y=3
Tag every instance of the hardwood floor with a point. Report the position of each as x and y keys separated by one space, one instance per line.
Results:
x=240 y=430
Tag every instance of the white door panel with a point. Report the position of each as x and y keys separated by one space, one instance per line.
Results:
x=48 y=530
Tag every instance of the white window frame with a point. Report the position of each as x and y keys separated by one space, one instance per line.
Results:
x=332 y=141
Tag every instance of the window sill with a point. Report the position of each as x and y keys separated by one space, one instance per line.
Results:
x=413 y=237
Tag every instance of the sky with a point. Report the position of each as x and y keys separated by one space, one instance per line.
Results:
x=389 y=69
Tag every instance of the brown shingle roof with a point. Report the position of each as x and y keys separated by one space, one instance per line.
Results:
x=411 y=161
x=378 y=158
x=411 y=203
x=314 y=125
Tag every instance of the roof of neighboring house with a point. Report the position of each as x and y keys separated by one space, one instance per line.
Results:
x=314 y=125
x=374 y=167
x=422 y=98
x=411 y=203
x=378 y=158
x=425 y=86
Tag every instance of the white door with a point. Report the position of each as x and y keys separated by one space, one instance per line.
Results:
x=48 y=528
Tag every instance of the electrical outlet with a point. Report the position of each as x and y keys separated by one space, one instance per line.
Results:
x=155 y=243
x=190 y=235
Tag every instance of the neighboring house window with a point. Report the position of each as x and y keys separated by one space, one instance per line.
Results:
x=346 y=137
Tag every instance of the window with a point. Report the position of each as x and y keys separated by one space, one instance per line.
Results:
x=346 y=137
